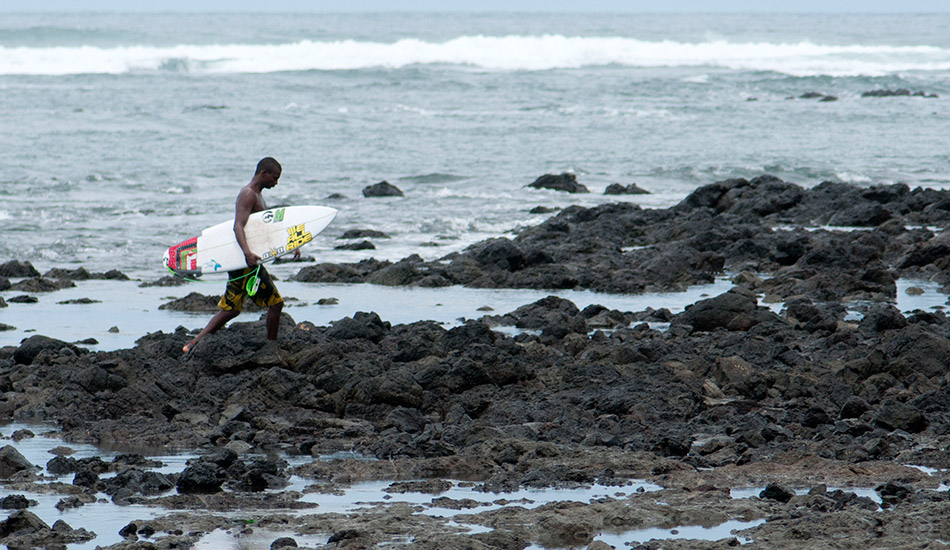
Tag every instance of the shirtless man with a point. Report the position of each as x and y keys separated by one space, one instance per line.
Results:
x=249 y=200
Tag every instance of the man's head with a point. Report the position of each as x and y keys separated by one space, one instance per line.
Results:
x=269 y=169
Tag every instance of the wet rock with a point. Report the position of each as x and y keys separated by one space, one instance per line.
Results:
x=774 y=491
x=17 y=269
x=79 y=301
x=854 y=407
x=345 y=535
x=734 y=310
x=33 y=346
x=23 y=529
x=203 y=477
x=129 y=531
x=499 y=253
x=4 y=283
x=16 y=502
x=899 y=92
x=382 y=189
x=631 y=189
x=362 y=245
x=398 y=274
x=194 y=302
x=862 y=215
x=560 y=182
x=20 y=435
x=883 y=317
x=365 y=326
x=168 y=280
x=41 y=284
x=12 y=463
x=895 y=415
x=22 y=522
x=80 y=274
x=24 y=299
x=892 y=493
x=138 y=481
x=363 y=234
x=283 y=542
x=256 y=475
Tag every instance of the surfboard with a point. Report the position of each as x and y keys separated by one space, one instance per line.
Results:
x=270 y=234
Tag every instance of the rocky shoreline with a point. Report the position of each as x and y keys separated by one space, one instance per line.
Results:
x=730 y=395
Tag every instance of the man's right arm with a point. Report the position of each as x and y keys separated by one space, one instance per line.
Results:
x=242 y=211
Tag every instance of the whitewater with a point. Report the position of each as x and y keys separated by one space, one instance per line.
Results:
x=511 y=53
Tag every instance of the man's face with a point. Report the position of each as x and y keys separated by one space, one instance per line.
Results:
x=270 y=178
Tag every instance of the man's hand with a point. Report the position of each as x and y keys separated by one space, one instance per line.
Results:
x=296 y=253
x=252 y=259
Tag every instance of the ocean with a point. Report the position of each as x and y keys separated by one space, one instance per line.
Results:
x=124 y=134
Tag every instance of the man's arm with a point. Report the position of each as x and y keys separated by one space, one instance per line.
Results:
x=242 y=211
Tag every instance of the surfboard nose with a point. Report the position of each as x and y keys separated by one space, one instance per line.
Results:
x=165 y=259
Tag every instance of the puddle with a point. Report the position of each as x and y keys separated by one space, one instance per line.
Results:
x=106 y=519
x=233 y=539
x=686 y=532
x=370 y=493
x=690 y=532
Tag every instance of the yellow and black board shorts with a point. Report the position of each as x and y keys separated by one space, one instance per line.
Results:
x=236 y=292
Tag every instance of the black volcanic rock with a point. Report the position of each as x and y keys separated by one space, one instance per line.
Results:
x=631 y=189
x=382 y=189
x=560 y=182
x=16 y=269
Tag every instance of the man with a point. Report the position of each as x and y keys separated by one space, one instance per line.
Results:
x=249 y=200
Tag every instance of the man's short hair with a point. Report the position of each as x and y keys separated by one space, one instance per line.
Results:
x=268 y=164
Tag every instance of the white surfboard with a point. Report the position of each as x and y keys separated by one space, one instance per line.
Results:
x=270 y=234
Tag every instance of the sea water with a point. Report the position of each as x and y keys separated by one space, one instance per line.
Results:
x=125 y=134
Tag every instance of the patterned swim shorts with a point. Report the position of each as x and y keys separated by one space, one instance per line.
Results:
x=235 y=293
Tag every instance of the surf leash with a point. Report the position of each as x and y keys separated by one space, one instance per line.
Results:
x=251 y=275
x=253 y=281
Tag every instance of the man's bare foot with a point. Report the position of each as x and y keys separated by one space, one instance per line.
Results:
x=187 y=347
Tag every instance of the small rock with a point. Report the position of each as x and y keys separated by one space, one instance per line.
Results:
x=774 y=491
x=20 y=435
x=561 y=182
x=632 y=189
x=382 y=189
x=12 y=462
x=15 y=502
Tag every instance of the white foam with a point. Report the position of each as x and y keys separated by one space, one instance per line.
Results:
x=513 y=52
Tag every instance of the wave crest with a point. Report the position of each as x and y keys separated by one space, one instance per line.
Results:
x=518 y=53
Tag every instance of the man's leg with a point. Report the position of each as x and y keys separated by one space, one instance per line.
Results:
x=220 y=319
x=273 y=320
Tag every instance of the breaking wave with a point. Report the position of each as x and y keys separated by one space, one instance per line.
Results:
x=516 y=53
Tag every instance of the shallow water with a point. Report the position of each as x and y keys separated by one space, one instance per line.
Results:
x=134 y=310
x=690 y=532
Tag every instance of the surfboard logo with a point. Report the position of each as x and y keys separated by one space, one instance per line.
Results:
x=184 y=255
x=271 y=216
x=298 y=236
